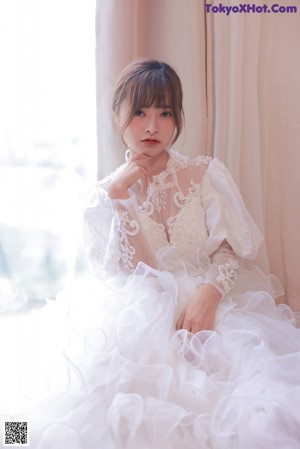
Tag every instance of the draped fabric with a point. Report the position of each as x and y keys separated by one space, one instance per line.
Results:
x=241 y=99
x=257 y=128
x=110 y=370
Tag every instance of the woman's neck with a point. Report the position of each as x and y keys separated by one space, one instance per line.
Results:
x=158 y=163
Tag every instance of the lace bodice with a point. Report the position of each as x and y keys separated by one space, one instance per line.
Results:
x=181 y=209
x=172 y=213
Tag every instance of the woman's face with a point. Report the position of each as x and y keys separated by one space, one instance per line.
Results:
x=150 y=131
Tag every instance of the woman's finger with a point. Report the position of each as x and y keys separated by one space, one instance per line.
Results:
x=187 y=323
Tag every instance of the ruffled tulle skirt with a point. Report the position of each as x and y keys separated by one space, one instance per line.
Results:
x=104 y=367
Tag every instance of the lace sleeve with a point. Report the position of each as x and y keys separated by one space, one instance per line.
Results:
x=134 y=246
x=113 y=234
x=223 y=270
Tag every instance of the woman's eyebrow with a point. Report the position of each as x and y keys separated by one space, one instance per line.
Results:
x=161 y=106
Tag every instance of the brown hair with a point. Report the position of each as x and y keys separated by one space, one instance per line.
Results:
x=149 y=82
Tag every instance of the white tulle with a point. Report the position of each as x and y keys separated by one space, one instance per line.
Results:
x=107 y=368
x=104 y=367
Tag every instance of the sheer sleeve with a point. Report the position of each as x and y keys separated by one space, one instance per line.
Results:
x=100 y=233
x=232 y=233
x=223 y=269
x=113 y=236
x=134 y=246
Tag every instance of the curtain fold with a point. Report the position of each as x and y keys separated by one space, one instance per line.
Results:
x=236 y=117
x=279 y=108
x=256 y=72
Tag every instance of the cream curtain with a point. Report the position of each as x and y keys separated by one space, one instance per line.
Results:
x=235 y=62
x=279 y=108
x=256 y=71
x=240 y=76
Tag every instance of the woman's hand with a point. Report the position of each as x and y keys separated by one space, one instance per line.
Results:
x=136 y=168
x=200 y=313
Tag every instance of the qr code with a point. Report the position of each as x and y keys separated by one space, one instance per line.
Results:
x=16 y=433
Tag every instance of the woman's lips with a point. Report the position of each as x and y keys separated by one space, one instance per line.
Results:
x=150 y=141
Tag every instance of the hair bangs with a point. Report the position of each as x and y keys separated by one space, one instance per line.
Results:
x=152 y=90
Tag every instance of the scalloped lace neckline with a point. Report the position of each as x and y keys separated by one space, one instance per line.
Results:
x=172 y=166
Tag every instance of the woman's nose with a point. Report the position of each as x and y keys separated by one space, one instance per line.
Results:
x=151 y=126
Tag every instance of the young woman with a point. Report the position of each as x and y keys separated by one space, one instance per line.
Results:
x=175 y=344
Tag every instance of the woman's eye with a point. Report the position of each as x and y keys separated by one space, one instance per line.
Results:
x=166 y=114
x=139 y=113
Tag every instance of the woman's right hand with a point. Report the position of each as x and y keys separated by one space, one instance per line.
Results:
x=136 y=168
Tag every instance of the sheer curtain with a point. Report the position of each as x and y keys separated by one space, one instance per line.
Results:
x=240 y=78
x=236 y=139
x=47 y=143
x=256 y=71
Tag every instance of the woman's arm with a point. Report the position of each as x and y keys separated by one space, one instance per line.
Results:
x=200 y=312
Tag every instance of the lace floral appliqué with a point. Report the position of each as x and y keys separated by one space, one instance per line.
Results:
x=168 y=177
x=228 y=274
x=188 y=226
x=131 y=228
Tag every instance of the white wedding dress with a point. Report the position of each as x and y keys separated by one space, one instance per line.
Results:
x=103 y=366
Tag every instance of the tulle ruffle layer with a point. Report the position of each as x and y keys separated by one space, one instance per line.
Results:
x=105 y=367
